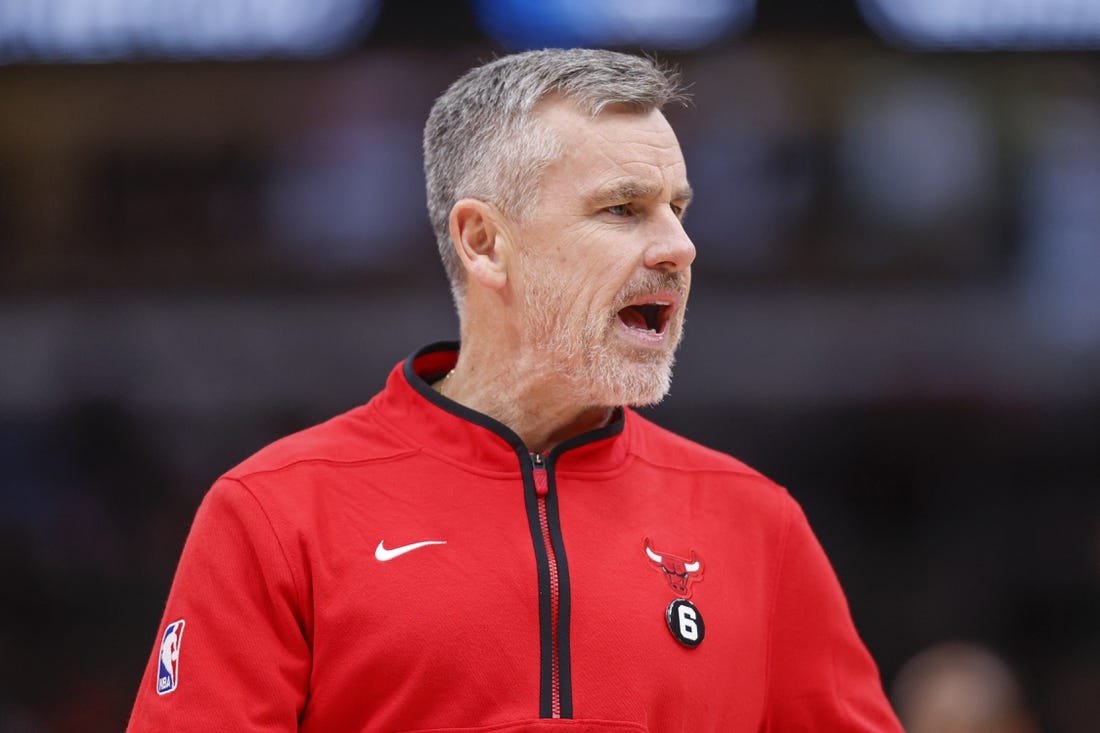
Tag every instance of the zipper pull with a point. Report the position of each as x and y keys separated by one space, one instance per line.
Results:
x=538 y=463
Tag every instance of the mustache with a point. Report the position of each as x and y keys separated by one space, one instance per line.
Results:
x=653 y=282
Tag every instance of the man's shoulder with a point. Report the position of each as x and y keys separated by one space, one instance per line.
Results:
x=659 y=445
x=352 y=437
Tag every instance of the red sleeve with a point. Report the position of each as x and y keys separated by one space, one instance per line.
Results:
x=240 y=660
x=820 y=676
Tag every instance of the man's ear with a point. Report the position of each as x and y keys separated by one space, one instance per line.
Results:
x=480 y=242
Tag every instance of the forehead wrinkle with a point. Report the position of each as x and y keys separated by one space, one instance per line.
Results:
x=598 y=165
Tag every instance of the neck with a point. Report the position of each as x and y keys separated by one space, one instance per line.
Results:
x=522 y=394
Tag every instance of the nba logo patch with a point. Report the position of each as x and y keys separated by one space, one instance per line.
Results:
x=168 y=676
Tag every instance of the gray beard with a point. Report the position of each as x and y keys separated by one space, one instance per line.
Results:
x=599 y=372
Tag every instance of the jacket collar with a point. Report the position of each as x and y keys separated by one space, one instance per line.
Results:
x=457 y=433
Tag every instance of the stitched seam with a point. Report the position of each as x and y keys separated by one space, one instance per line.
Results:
x=326 y=461
x=297 y=583
x=745 y=473
x=772 y=605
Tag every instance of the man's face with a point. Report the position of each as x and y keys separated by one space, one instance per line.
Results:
x=604 y=260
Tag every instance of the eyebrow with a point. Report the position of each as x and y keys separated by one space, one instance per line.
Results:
x=630 y=190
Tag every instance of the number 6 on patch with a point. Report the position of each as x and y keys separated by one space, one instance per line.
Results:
x=685 y=622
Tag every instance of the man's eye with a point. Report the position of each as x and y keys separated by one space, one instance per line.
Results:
x=619 y=209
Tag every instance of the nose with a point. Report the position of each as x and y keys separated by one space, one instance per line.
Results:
x=670 y=249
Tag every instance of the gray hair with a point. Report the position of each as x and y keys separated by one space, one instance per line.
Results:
x=483 y=141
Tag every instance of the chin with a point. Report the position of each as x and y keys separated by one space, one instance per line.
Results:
x=649 y=399
x=631 y=383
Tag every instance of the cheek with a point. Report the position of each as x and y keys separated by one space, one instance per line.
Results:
x=583 y=269
x=600 y=308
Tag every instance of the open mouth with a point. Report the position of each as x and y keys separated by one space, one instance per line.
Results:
x=651 y=316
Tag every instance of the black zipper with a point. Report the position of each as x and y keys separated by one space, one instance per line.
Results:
x=555 y=689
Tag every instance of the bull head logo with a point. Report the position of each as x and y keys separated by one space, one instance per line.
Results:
x=681 y=572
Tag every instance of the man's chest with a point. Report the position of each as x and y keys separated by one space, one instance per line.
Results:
x=481 y=601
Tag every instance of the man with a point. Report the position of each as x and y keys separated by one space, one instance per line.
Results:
x=493 y=542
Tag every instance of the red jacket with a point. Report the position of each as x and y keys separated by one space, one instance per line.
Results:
x=409 y=566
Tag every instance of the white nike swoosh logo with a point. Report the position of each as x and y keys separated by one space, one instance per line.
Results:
x=381 y=554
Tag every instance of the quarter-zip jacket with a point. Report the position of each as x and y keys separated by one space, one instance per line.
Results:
x=411 y=566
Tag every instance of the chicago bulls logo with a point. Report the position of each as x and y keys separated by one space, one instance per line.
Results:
x=681 y=572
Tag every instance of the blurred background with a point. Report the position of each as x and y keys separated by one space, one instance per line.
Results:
x=212 y=233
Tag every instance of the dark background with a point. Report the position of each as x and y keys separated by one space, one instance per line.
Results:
x=896 y=314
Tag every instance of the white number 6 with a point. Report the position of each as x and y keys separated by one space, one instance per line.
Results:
x=687 y=618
